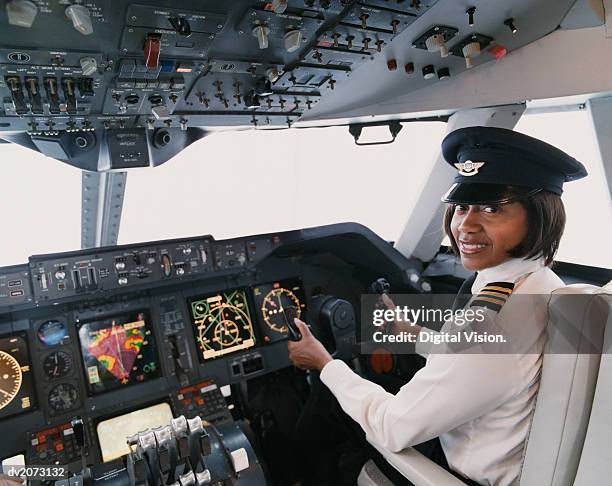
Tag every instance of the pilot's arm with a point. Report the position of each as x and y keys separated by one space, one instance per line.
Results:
x=451 y=390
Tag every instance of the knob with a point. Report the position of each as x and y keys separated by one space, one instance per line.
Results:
x=293 y=40
x=470 y=51
x=180 y=271
x=120 y=266
x=261 y=32
x=436 y=43
x=187 y=251
x=60 y=275
x=122 y=281
x=81 y=19
x=21 y=13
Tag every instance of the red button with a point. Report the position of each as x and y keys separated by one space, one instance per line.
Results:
x=498 y=51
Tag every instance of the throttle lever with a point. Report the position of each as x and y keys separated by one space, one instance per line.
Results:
x=293 y=331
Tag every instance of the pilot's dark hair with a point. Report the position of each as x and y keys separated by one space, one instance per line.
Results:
x=545 y=225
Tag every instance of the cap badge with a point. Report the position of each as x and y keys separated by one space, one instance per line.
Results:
x=468 y=168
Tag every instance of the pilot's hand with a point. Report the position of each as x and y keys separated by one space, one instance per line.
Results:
x=399 y=326
x=308 y=353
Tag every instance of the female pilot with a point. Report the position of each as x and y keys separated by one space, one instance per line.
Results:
x=504 y=219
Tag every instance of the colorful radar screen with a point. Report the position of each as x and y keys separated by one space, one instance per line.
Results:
x=118 y=351
x=222 y=323
x=278 y=303
x=16 y=380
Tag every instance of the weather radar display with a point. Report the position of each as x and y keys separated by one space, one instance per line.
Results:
x=118 y=351
x=222 y=323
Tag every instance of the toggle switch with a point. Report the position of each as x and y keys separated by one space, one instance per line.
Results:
x=14 y=85
x=50 y=85
x=471 y=51
x=34 y=95
x=261 y=32
x=81 y=18
x=349 y=41
x=152 y=48
x=510 y=24
x=364 y=20
x=68 y=87
x=336 y=36
x=436 y=43
x=21 y=13
x=394 y=24
x=470 y=13
x=293 y=40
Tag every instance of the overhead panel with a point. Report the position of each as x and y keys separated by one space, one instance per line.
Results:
x=76 y=78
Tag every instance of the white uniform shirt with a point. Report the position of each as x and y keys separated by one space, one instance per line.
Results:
x=478 y=404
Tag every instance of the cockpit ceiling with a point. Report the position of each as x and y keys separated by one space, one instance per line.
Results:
x=256 y=63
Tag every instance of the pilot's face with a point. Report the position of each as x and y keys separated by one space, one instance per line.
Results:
x=485 y=234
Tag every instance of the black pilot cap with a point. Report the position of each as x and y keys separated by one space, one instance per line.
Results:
x=498 y=166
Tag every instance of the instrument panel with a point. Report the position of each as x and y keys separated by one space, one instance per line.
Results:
x=207 y=314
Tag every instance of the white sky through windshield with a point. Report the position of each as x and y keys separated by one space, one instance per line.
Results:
x=240 y=183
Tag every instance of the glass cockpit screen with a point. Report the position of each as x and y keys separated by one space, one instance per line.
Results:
x=277 y=304
x=222 y=323
x=16 y=381
x=118 y=351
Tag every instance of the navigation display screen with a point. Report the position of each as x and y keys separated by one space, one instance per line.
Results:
x=222 y=323
x=118 y=351
x=278 y=303
x=16 y=380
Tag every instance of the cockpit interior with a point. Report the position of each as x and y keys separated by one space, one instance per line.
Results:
x=164 y=360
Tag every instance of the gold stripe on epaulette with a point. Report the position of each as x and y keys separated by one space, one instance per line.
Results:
x=498 y=289
x=495 y=293
x=489 y=299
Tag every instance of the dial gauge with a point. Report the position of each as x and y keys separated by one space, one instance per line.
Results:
x=279 y=306
x=10 y=379
x=63 y=397
x=52 y=333
x=58 y=364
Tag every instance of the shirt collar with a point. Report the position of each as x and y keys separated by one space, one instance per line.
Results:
x=509 y=271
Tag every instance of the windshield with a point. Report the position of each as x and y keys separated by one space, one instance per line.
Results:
x=239 y=183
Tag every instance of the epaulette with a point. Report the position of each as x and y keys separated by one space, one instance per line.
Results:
x=493 y=295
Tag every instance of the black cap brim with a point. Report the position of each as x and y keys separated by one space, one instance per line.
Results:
x=481 y=193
